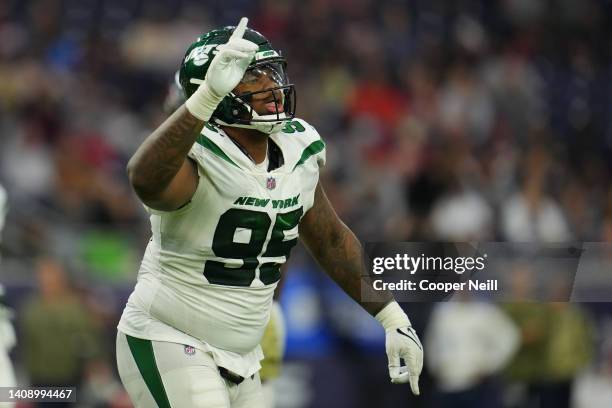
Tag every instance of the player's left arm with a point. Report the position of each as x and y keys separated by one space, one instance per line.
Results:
x=340 y=254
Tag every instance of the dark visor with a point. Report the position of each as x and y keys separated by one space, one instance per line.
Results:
x=275 y=71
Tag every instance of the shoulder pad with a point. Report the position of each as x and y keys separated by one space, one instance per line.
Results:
x=306 y=140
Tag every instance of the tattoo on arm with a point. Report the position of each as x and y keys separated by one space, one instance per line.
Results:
x=339 y=253
x=161 y=155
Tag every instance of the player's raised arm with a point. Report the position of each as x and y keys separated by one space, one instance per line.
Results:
x=160 y=172
x=340 y=254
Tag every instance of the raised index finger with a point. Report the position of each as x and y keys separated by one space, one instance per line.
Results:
x=239 y=30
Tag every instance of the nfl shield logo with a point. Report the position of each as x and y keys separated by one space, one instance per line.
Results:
x=271 y=183
x=190 y=351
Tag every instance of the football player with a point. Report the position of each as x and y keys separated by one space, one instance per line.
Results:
x=273 y=340
x=229 y=179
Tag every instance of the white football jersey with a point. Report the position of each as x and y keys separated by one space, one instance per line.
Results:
x=211 y=267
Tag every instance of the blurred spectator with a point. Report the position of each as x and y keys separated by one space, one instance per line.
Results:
x=532 y=215
x=527 y=365
x=59 y=335
x=593 y=389
x=466 y=106
x=462 y=216
x=376 y=98
x=556 y=344
x=467 y=343
x=568 y=352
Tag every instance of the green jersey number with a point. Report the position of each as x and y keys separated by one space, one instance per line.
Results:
x=258 y=223
x=293 y=126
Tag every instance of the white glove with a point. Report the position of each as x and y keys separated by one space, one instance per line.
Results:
x=401 y=342
x=225 y=72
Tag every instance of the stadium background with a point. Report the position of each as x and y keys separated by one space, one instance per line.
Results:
x=445 y=121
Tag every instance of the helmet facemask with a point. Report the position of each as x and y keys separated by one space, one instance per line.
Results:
x=279 y=98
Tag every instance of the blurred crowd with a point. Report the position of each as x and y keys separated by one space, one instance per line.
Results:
x=471 y=120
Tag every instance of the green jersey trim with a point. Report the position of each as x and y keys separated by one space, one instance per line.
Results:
x=142 y=351
x=312 y=149
x=210 y=145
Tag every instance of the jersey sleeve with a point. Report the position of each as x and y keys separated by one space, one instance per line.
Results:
x=187 y=206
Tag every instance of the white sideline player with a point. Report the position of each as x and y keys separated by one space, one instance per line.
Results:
x=7 y=334
x=228 y=180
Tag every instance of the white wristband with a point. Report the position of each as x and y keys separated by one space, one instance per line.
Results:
x=203 y=102
x=392 y=317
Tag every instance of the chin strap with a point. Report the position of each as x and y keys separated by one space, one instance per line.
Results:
x=263 y=127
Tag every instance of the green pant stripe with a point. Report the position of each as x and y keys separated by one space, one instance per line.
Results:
x=142 y=351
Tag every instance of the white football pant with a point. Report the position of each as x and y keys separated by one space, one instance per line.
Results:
x=169 y=375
